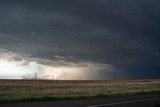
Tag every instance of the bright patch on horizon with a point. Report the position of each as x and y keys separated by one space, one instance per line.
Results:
x=6 y=66
x=10 y=69
x=13 y=66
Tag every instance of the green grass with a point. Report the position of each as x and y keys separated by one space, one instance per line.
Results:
x=41 y=90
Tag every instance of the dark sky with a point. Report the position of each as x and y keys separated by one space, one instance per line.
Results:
x=122 y=33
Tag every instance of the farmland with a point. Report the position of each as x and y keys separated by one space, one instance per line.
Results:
x=33 y=90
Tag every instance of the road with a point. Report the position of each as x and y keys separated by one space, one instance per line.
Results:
x=144 y=100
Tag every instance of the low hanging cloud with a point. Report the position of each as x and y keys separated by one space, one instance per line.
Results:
x=34 y=68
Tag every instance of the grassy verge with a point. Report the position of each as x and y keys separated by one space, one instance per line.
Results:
x=17 y=91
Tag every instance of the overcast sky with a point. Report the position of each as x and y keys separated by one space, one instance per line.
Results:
x=124 y=34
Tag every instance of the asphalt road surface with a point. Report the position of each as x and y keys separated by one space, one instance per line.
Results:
x=144 y=100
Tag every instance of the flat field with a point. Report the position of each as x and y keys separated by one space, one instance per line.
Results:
x=33 y=90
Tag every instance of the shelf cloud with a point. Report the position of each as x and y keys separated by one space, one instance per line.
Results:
x=122 y=35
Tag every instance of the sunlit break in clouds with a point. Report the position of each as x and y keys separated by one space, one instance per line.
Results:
x=79 y=39
x=14 y=66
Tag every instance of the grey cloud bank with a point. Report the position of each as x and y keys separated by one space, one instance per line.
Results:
x=121 y=33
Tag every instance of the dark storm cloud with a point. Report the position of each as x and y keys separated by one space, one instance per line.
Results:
x=123 y=33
